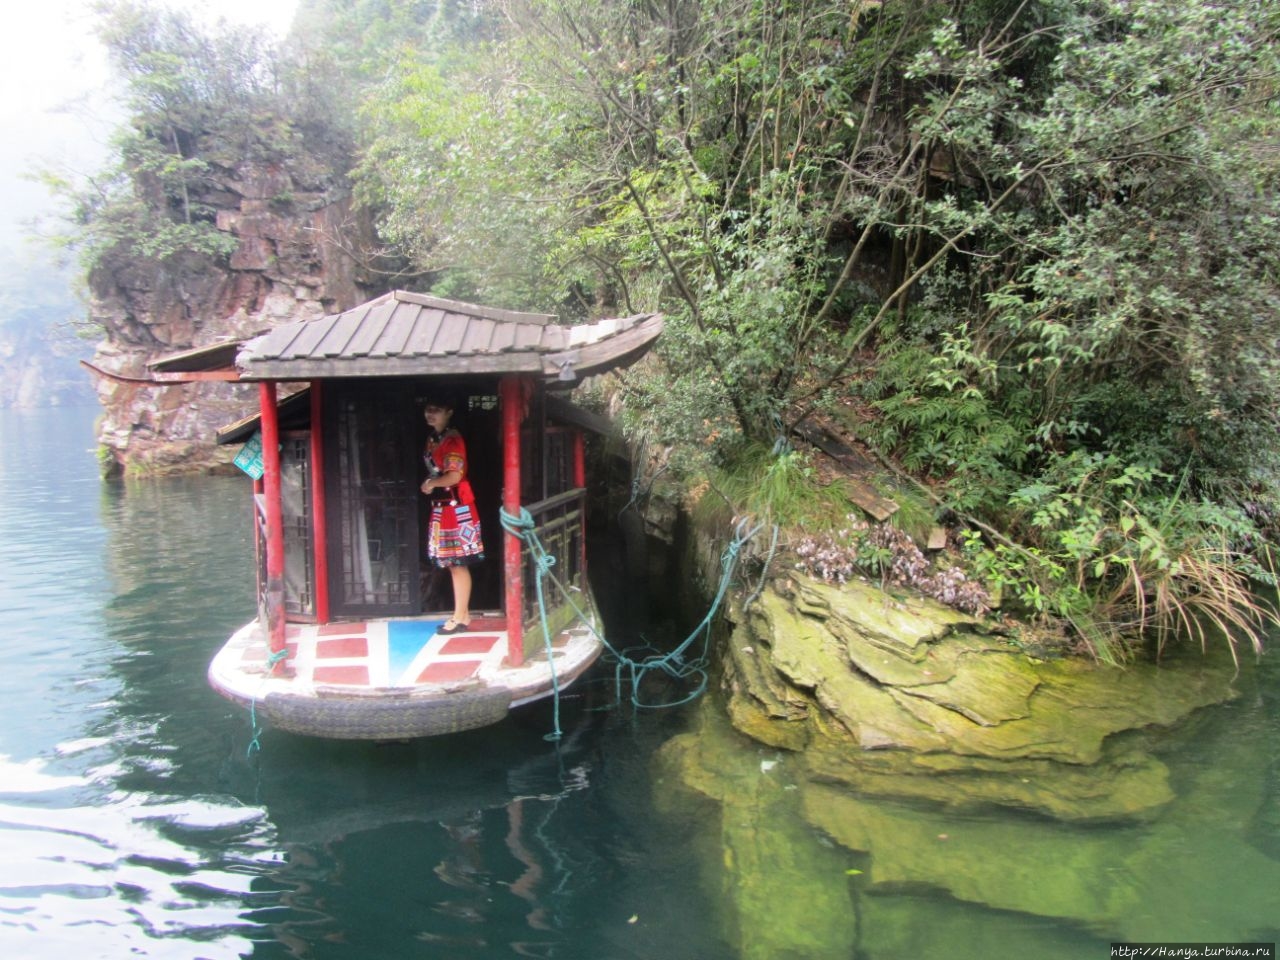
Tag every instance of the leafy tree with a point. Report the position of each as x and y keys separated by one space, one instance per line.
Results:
x=1034 y=236
x=1117 y=310
x=1031 y=240
x=198 y=102
x=642 y=154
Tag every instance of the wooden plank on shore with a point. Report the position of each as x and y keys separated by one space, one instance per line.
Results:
x=860 y=491
x=868 y=498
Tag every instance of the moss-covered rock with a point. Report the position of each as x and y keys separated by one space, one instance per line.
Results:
x=1130 y=784
x=1135 y=883
x=906 y=697
x=970 y=791
x=1057 y=873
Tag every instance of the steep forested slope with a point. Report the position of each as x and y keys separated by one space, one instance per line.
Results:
x=1022 y=250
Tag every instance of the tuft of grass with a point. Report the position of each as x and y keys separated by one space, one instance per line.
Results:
x=781 y=488
x=1200 y=594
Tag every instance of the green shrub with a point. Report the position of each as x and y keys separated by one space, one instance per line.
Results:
x=1120 y=553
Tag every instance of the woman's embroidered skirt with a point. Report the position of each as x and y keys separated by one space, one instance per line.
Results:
x=453 y=538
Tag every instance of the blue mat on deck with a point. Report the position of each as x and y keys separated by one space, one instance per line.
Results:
x=405 y=638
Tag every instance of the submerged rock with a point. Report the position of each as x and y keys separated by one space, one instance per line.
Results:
x=1131 y=883
x=903 y=878
x=784 y=894
x=885 y=776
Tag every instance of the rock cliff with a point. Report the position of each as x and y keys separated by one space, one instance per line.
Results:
x=40 y=369
x=295 y=229
x=867 y=747
x=40 y=345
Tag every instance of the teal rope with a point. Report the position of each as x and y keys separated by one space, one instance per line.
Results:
x=255 y=744
x=636 y=485
x=764 y=571
x=674 y=663
x=635 y=481
x=523 y=527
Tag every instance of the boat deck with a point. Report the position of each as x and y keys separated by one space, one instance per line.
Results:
x=379 y=679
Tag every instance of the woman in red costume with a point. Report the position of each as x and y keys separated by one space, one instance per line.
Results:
x=453 y=538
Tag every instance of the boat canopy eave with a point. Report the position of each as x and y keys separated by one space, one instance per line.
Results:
x=283 y=371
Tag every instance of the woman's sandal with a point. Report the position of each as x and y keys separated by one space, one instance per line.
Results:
x=456 y=628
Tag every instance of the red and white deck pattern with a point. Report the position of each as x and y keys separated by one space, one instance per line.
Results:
x=396 y=657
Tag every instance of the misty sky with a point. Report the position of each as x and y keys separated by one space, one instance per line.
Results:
x=55 y=104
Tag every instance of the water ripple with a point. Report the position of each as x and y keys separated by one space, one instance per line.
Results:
x=125 y=874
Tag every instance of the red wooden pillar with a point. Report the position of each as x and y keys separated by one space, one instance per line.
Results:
x=274 y=519
x=579 y=459
x=512 y=413
x=319 y=524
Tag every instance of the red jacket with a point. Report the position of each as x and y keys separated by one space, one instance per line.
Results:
x=450 y=453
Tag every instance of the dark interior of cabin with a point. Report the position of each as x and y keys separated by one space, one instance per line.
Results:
x=377 y=515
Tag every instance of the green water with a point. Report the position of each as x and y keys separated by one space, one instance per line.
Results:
x=135 y=820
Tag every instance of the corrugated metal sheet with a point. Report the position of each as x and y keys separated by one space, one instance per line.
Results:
x=403 y=334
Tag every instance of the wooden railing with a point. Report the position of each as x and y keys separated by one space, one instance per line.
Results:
x=560 y=524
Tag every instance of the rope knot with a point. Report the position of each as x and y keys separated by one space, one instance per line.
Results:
x=518 y=525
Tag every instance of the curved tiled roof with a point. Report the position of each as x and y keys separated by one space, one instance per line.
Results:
x=413 y=334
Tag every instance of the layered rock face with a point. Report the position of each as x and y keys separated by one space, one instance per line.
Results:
x=903 y=763
x=896 y=763
x=907 y=698
x=294 y=225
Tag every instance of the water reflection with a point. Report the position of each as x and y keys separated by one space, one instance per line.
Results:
x=310 y=848
x=135 y=820
x=92 y=873
x=879 y=878
x=100 y=857
x=449 y=843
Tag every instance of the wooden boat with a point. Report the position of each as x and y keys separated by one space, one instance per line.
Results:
x=346 y=643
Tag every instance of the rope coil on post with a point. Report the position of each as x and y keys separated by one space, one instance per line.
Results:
x=523 y=527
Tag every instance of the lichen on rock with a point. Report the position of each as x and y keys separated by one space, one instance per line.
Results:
x=801 y=865
x=782 y=892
